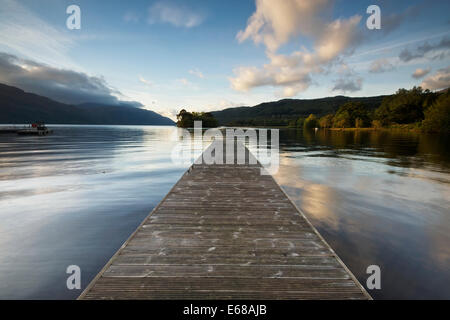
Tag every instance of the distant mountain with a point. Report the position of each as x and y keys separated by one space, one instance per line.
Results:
x=282 y=111
x=18 y=106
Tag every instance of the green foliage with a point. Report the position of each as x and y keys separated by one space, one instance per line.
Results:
x=359 y=123
x=310 y=122
x=405 y=106
x=342 y=120
x=186 y=119
x=351 y=115
x=326 y=121
x=292 y=123
x=279 y=113
x=404 y=110
x=296 y=123
x=300 y=122
x=376 y=124
x=437 y=116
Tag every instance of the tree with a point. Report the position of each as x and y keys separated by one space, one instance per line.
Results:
x=326 y=121
x=376 y=124
x=292 y=123
x=310 y=122
x=437 y=116
x=300 y=122
x=348 y=113
x=405 y=106
x=208 y=120
x=359 y=123
x=187 y=119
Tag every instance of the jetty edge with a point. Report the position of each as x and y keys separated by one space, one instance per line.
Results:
x=224 y=231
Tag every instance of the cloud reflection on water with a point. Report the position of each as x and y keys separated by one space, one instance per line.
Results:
x=385 y=207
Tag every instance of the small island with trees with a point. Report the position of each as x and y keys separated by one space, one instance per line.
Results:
x=186 y=119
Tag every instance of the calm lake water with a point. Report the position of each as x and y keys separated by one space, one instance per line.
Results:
x=74 y=197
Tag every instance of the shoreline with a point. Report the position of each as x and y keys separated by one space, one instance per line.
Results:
x=402 y=129
x=415 y=130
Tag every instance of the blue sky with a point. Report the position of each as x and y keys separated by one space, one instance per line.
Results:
x=210 y=54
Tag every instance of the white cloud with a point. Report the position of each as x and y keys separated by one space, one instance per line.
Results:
x=145 y=81
x=348 y=84
x=437 y=81
x=349 y=80
x=184 y=81
x=419 y=73
x=381 y=65
x=131 y=16
x=177 y=15
x=338 y=37
x=434 y=51
x=197 y=73
x=24 y=33
x=225 y=103
x=380 y=48
x=274 y=23
x=277 y=73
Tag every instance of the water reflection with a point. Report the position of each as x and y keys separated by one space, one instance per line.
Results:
x=73 y=198
x=378 y=198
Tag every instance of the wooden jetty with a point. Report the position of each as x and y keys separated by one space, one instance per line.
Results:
x=225 y=232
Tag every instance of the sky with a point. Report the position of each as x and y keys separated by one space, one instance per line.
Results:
x=207 y=55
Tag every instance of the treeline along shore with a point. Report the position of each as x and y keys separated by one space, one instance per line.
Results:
x=415 y=109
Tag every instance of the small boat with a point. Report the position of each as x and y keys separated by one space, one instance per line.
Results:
x=37 y=128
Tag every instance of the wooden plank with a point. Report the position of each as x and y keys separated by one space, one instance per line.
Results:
x=225 y=231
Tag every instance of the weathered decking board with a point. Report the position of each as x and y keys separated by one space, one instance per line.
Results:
x=225 y=232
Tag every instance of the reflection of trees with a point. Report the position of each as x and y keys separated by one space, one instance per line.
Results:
x=404 y=149
x=435 y=149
